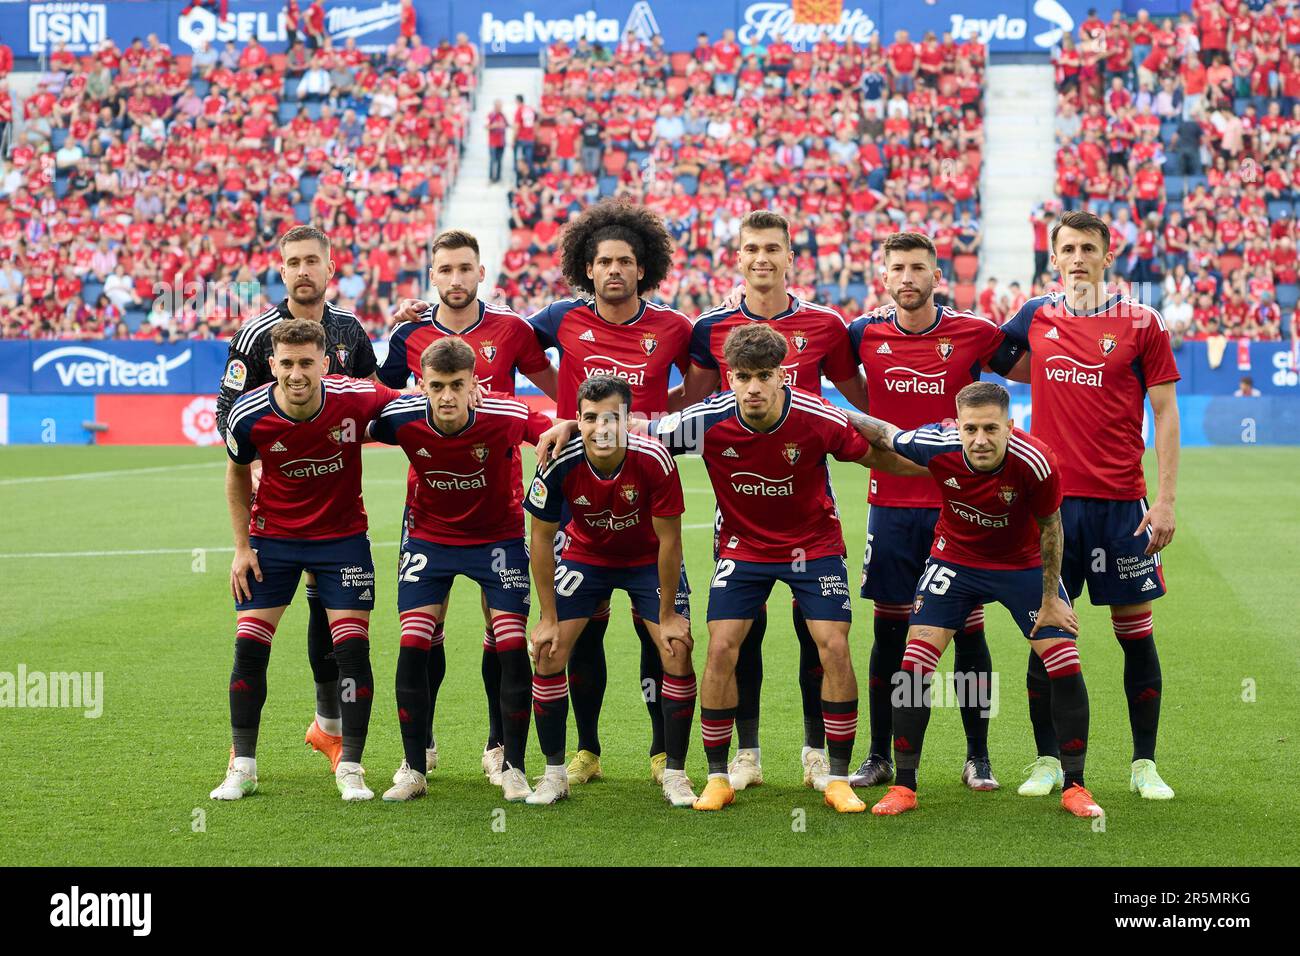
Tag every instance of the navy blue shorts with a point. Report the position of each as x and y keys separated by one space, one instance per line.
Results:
x=821 y=588
x=345 y=573
x=947 y=593
x=898 y=544
x=426 y=570
x=1101 y=551
x=581 y=588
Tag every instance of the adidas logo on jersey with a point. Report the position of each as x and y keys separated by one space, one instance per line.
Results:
x=587 y=336
x=730 y=453
x=884 y=349
x=424 y=453
x=952 y=483
x=278 y=446
x=366 y=595
x=1052 y=334
x=581 y=500
x=1148 y=585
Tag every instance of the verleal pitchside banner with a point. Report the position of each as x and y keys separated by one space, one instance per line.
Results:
x=526 y=26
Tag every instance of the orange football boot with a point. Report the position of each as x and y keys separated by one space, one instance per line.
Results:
x=327 y=744
x=897 y=800
x=1079 y=801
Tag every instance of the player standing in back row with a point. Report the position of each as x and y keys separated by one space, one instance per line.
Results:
x=1103 y=354
x=502 y=344
x=306 y=268
x=818 y=346
x=308 y=516
x=917 y=357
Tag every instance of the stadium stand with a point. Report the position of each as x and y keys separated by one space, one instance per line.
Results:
x=138 y=170
x=1185 y=134
x=851 y=142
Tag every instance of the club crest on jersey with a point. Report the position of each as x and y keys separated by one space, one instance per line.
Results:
x=791 y=453
x=945 y=349
x=1107 y=342
x=916 y=604
x=488 y=351
x=1007 y=493
x=629 y=493
x=799 y=340
x=341 y=355
x=336 y=435
x=649 y=343
x=480 y=452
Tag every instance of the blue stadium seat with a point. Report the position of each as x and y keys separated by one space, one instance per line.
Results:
x=1277 y=208
x=134 y=318
x=636 y=157
x=608 y=185
x=61 y=186
x=307 y=186
x=313 y=109
x=1176 y=187
x=287 y=111
x=91 y=291
x=58 y=136
x=274 y=292
x=302 y=211
x=1287 y=297
x=1197 y=180
x=856 y=290
x=200 y=87
x=692 y=184
x=1167 y=130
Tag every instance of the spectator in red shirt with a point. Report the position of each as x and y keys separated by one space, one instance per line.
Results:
x=497 y=125
x=525 y=124
x=902 y=63
x=313 y=24
x=408 y=27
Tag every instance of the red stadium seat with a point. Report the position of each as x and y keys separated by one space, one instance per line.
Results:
x=802 y=61
x=279 y=62
x=544 y=261
x=184 y=63
x=525 y=235
x=614 y=161
x=963 y=295
x=916 y=205
x=679 y=62
x=677 y=87
x=1229 y=262
x=965 y=267
x=941 y=207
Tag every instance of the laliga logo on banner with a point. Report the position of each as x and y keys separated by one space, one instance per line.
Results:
x=102 y=368
x=199 y=421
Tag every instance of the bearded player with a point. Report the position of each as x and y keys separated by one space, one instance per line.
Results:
x=998 y=538
x=306 y=268
x=502 y=344
x=917 y=357
x=1103 y=355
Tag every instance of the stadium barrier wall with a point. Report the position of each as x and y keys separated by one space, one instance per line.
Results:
x=143 y=393
x=508 y=27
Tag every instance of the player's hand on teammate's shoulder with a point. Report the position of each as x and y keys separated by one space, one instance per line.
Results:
x=553 y=438
x=734 y=297
x=245 y=563
x=409 y=310
x=1159 y=520
x=1056 y=613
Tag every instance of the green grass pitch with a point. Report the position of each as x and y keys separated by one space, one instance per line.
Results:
x=100 y=574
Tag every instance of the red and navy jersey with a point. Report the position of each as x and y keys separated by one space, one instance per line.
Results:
x=311 y=470
x=642 y=351
x=612 y=521
x=502 y=342
x=467 y=488
x=914 y=378
x=817 y=336
x=988 y=518
x=774 y=487
x=1096 y=364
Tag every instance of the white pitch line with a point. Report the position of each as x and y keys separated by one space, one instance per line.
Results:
x=33 y=479
x=145 y=552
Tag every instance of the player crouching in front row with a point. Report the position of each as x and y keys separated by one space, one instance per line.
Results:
x=998 y=538
x=624 y=496
x=308 y=430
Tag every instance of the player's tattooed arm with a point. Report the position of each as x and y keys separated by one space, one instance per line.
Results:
x=239 y=492
x=1054 y=612
x=879 y=433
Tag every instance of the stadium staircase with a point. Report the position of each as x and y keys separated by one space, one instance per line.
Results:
x=475 y=203
x=1019 y=167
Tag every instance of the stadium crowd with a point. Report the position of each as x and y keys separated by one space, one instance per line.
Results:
x=1184 y=134
x=850 y=142
x=137 y=170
